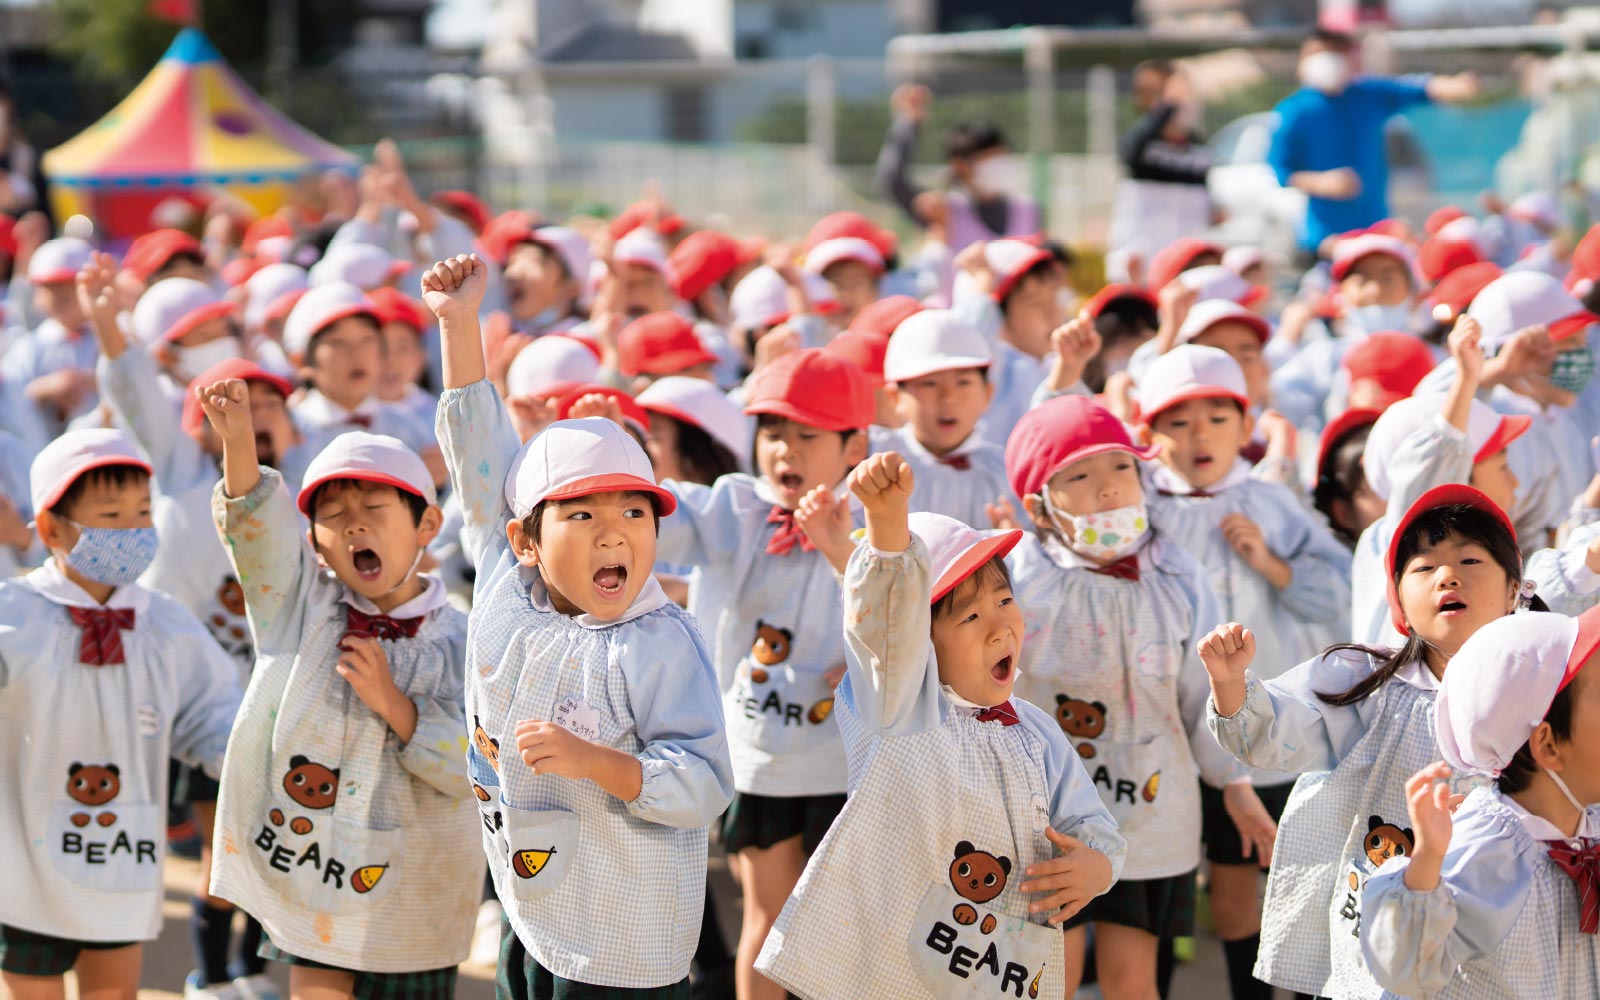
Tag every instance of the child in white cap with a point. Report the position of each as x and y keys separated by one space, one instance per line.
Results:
x=936 y=373
x=596 y=747
x=345 y=822
x=1113 y=611
x=54 y=364
x=1273 y=564
x=972 y=831
x=101 y=680
x=1500 y=897
x=1357 y=722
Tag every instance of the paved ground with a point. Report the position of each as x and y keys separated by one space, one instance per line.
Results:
x=168 y=960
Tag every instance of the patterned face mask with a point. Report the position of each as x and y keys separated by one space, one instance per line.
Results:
x=113 y=556
x=1573 y=370
x=1105 y=534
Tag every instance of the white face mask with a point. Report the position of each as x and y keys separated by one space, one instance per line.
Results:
x=194 y=361
x=1326 y=71
x=1106 y=534
x=998 y=175
x=1380 y=318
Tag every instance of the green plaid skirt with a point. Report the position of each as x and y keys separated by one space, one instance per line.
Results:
x=24 y=953
x=521 y=977
x=428 y=984
x=763 y=820
x=1162 y=906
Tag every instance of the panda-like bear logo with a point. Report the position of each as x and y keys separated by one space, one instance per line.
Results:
x=977 y=876
x=93 y=785
x=1084 y=720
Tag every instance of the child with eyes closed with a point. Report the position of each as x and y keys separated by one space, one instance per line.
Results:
x=1113 y=613
x=1010 y=838
x=345 y=823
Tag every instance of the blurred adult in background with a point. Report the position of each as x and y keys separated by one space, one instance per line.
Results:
x=1163 y=198
x=21 y=179
x=986 y=196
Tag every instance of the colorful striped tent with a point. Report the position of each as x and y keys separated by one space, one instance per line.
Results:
x=191 y=129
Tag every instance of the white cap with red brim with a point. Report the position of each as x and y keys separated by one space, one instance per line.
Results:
x=319 y=309
x=579 y=458
x=58 y=260
x=1487 y=433
x=173 y=307
x=371 y=458
x=1520 y=299
x=957 y=550
x=829 y=252
x=59 y=464
x=360 y=264
x=639 y=247
x=1188 y=372
x=550 y=360
x=699 y=402
x=1207 y=314
x=934 y=340
x=265 y=287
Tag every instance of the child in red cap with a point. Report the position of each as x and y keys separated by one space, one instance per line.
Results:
x=1116 y=611
x=971 y=824
x=770 y=604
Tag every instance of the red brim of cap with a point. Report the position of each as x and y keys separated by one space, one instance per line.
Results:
x=1511 y=427
x=303 y=501
x=1144 y=455
x=1198 y=392
x=821 y=266
x=1342 y=425
x=674 y=412
x=1567 y=326
x=822 y=420
x=280 y=308
x=1586 y=646
x=398 y=269
x=971 y=560
x=344 y=312
x=1023 y=267
x=616 y=482
x=1254 y=295
x=191 y=320
x=54 y=277
x=1262 y=328
x=1439 y=496
x=101 y=462
x=671 y=362
x=194 y=414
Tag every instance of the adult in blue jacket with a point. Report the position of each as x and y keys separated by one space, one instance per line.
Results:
x=1329 y=141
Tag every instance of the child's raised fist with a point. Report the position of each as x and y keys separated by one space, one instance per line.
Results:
x=96 y=294
x=455 y=286
x=1226 y=652
x=1466 y=347
x=882 y=483
x=227 y=406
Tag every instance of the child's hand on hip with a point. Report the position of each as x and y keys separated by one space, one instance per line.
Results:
x=549 y=748
x=1073 y=877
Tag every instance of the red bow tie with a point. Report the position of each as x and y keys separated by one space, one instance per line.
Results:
x=1583 y=866
x=1253 y=452
x=1191 y=493
x=380 y=626
x=101 y=644
x=960 y=463
x=360 y=420
x=788 y=535
x=1002 y=713
x=1126 y=568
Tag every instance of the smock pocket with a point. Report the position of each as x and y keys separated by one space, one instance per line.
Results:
x=324 y=863
x=110 y=847
x=540 y=848
x=961 y=948
x=779 y=709
x=1128 y=777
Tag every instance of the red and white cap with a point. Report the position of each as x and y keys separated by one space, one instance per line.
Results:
x=151 y=252
x=579 y=458
x=1440 y=257
x=1010 y=260
x=1242 y=258
x=824 y=301
x=1488 y=432
x=1338 y=429
x=1205 y=315
x=59 y=464
x=319 y=308
x=1176 y=258
x=642 y=248
x=172 y=308
x=661 y=343
x=814 y=387
x=865 y=348
x=1187 y=372
x=568 y=244
x=1102 y=300
x=360 y=264
x=1463 y=230
x=1213 y=281
x=1585 y=264
x=391 y=305
x=1396 y=362
x=761 y=298
x=1537 y=207
x=702 y=259
x=698 y=402
x=239 y=368
x=1348 y=251
x=884 y=316
x=58 y=260
x=830 y=252
x=1458 y=288
x=1520 y=299
x=957 y=550
x=1500 y=684
x=549 y=361
x=1441 y=217
x=266 y=286
x=1058 y=432
x=371 y=458
x=934 y=340
x=1450 y=494
x=636 y=417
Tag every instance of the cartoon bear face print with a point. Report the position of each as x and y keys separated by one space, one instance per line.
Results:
x=313 y=785
x=772 y=645
x=1083 y=719
x=978 y=875
x=489 y=748
x=231 y=596
x=93 y=784
x=1385 y=841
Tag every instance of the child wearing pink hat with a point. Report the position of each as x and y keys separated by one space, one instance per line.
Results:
x=344 y=799
x=1117 y=611
x=54 y=365
x=971 y=827
x=101 y=680
x=1356 y=723
x=1500 y=897
x=597 y=752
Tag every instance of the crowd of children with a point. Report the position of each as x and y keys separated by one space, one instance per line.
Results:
x=468 y=576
